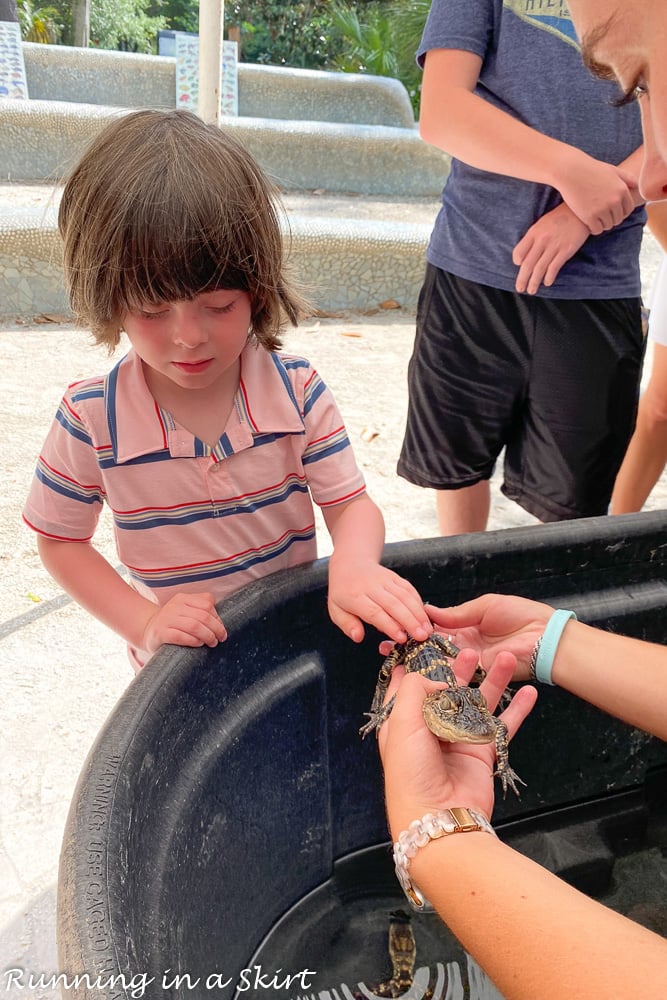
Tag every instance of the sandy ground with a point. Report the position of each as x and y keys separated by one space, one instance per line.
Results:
x=63 y=671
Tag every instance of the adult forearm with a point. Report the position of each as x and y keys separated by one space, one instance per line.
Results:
x=534 y=935
x=623 y=676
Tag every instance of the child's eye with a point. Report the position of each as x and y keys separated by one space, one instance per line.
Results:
x=151 y=315
x=222 y=309
x=633 y=93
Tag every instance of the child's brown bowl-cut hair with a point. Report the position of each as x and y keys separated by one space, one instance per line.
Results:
x=162 y=207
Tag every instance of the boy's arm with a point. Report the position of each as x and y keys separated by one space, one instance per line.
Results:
x=185 y=620
x=467 y=127
x=360 y=589
x=557 y=236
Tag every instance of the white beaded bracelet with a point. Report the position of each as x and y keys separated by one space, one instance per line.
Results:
x=431 y=826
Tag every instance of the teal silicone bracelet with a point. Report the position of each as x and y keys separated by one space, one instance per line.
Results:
x=549 y=644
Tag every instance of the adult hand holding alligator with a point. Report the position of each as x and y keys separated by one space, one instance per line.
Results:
x=623 y=676
x=534 y=935
x=428 y=773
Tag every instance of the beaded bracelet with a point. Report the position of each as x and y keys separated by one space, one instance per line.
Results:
x=542 y=657
x=458 y=819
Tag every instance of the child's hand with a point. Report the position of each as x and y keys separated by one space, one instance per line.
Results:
x=185 y=620
x=599 y=193
x=546 y=246
x=363 y=591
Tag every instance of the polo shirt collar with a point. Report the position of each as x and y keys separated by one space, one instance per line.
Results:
x=265 y=403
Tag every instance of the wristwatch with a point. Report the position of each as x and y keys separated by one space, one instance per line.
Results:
x=458 y=819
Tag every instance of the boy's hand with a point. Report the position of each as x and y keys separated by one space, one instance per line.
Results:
x=363 y=591
x=185 y=620
x=600 y=194
x=546 y=246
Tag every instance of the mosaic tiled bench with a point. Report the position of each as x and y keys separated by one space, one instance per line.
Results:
x=39 y=140
x=345 y=264
x=128 y=80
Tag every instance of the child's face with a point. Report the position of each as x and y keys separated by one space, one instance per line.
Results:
x=192 y=343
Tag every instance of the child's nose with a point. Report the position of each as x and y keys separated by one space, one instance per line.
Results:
x=189 y=334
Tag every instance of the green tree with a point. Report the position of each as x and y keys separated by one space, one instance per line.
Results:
x=124 y=24
x=381 y=38
x=180 y=15
x=368 y=42
x=39 y=24
x=81 y=23
x=408 y=18
x=283 y=34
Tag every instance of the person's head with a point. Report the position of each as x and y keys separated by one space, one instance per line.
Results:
x=163 y=207
x=627 y=40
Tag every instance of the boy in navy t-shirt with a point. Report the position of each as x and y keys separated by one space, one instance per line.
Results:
x=529 y=321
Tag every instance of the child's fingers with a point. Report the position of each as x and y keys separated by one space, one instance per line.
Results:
x=396 y=609
x=348 y=623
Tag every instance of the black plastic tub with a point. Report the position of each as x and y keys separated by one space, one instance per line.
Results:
x=229 y=819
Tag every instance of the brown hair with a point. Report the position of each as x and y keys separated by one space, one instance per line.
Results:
x=162 y=207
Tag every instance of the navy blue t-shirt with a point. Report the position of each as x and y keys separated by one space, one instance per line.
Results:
x=532 y=69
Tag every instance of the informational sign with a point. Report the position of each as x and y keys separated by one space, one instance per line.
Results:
x=13 y=82
x=186 y=50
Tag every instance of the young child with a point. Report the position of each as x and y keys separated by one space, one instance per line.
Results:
x=205 y=442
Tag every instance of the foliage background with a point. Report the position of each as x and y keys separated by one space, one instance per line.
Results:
x=366 y=36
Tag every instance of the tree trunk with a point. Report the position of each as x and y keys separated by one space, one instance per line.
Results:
x=8 y=10
x=81 y=23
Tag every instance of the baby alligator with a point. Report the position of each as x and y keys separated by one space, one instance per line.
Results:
x=403 y=955
x=456 y=714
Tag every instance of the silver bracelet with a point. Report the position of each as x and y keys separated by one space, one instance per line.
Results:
x=532 y=663
x=542 y=657
x=431 y=826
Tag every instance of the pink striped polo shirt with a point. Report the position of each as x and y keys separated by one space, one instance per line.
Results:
x=188 y=516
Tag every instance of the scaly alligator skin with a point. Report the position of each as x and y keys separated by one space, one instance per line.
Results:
x=403 y=955
x=456 y=714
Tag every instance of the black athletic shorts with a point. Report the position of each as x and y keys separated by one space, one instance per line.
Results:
x=553 y=381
